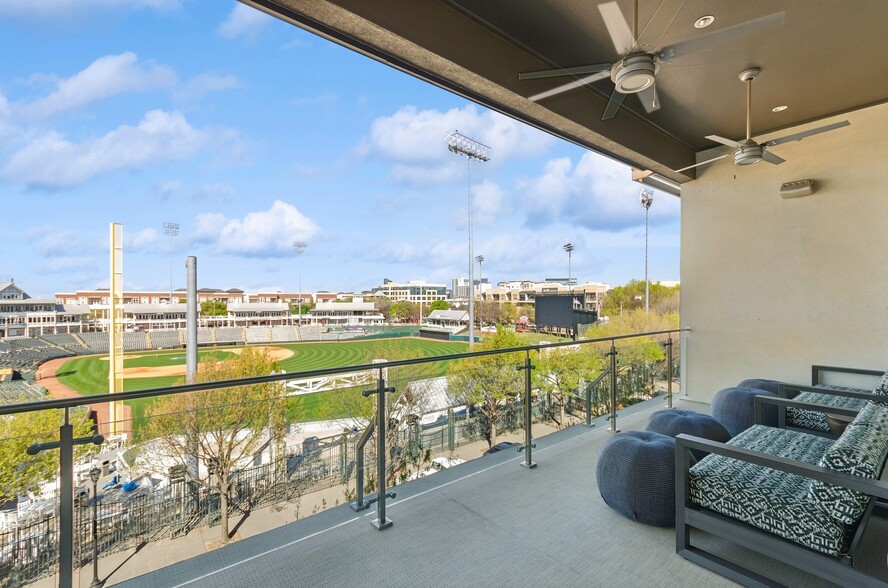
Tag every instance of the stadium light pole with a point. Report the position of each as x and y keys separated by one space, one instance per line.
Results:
x=299 y=247
x=480 y=260
x=171 y=230
x=647 y=198
x=471 y=149
x=569 y=248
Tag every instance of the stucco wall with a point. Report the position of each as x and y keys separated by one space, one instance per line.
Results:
x=770 y=286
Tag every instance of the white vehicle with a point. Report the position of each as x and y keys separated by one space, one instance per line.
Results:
x=437 y=464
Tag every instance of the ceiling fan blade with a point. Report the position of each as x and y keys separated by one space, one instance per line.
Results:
x=725 y=35
x=703 y=162
x=723 y=141
x=570 y=85
x=771 y=158
x=617 y=26
x=720 y=56
x=657 y=26
x=565 y=71
x=613 y=105
x=649 y=99
x=803 y=134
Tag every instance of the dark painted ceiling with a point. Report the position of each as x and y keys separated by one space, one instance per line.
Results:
x=828 y=57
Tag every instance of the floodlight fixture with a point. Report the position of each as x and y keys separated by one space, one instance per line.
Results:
x=171 y=230
x=647 y=198
x=569 y=248
x=299 y=247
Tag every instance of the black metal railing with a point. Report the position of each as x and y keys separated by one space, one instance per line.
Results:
x=59 y=538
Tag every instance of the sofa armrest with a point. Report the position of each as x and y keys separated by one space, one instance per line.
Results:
x=783 y=403
x=784 y=390
x=684 y=443
x=816 y=370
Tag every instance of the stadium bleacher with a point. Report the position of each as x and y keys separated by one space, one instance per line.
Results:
x=258 y=334
x=230 y=335
x=20 y=391
x=97 y=342
x=284 y=333
x=165 y=339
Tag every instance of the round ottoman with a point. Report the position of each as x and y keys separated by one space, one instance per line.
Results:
x=769 y=385
x=636 y=476
x=673 y=422
x=734 y=409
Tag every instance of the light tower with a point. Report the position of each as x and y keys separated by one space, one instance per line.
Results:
x=480 y=260
x=171 y=230
x=569 y=248
x=647 y=198
x=462 y=145
x=299 y=247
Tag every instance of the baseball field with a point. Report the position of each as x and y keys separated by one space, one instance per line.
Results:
x=153 y=369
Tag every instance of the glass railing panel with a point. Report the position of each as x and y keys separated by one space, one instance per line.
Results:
x=233 y=460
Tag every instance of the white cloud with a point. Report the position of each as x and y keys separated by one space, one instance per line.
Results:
x=103 y=78
x=413 y=140
x=596 y=193
x=67 y=264
x=488 y=203
x=204 y=83
x=57 y=10
x=52 y=162
x=220 y=192
x=263 y=233
x=243 y=21
x=168 y=189
x=55 y=242
x=140 y=239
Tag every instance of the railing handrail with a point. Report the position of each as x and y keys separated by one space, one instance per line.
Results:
x=86 y=400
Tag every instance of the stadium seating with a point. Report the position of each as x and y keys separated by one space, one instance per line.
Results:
x=230 y=335
x=283 y=333
x=165 y=339
x=258 y=334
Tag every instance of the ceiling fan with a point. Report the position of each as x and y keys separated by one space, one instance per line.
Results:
x=636 y=71
x=748 y=151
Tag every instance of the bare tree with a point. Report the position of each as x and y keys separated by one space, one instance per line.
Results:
x=225 y=427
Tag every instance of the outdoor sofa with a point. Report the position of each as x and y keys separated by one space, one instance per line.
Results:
x=799 y=498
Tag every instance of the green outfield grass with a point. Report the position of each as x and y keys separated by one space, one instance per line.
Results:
x=89 y=375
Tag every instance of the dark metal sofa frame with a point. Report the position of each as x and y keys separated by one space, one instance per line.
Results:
x=689 y=516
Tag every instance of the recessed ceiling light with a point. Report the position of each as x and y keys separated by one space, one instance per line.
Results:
x=704 y=21
x=780 y=108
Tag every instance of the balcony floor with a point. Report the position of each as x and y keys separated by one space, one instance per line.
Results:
x=489 y=522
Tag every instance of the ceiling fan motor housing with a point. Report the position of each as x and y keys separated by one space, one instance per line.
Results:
x=749 y=152
x=635 y=73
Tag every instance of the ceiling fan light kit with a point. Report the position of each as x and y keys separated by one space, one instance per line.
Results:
x=635 y=73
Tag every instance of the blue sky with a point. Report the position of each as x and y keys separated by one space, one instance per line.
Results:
x=251 y=133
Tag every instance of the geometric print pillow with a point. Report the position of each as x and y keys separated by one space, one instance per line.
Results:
x=882 y=386
x=860 y=451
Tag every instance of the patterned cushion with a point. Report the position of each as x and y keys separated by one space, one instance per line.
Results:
x=769 y=499
x=861 y=451
x=882 y=386
x=816 y=421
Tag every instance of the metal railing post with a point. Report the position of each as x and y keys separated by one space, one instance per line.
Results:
x=528 y=415
x=451 y=430
x=360 y=504
x=65 y=445
x=66 y=503
x=613 y=387
x=381 y=522
x=669 y=372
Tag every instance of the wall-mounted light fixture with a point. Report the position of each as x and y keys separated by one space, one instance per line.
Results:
x=797 y=188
